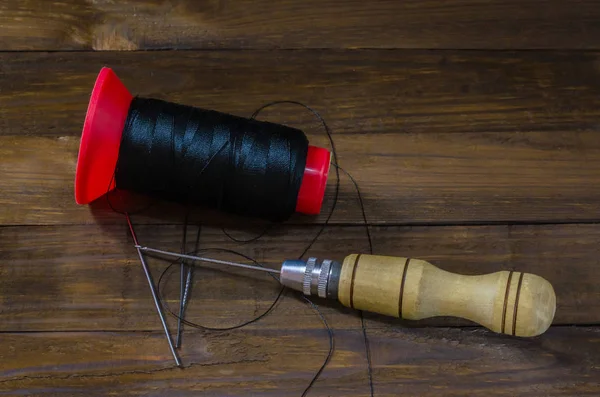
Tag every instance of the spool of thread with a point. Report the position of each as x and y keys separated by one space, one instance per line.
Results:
x=102 y=146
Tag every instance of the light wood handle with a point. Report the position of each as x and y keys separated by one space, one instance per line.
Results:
x=512 y=303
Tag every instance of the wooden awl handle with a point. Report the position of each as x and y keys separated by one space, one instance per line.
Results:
x=508 y=302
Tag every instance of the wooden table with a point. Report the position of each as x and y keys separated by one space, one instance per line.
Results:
x=471 y=126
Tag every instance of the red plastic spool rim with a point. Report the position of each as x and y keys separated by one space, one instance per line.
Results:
x=101 y=138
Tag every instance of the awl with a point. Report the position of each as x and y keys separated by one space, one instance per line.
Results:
x=508 y=302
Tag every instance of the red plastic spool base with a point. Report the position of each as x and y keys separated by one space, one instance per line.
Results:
x=101 y=138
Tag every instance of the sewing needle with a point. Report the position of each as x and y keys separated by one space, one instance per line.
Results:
x=208 y=260
x=182 y=286
x=159 y=308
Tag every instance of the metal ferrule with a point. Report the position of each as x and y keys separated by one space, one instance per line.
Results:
x=312 y=277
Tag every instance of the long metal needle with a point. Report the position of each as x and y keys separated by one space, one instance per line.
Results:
x=182 y=267
x=159 y=308
x=208 y=260
x=183 y=305
x=182 y=286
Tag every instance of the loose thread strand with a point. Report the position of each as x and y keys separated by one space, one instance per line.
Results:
x=362 y=318
x=187 y=293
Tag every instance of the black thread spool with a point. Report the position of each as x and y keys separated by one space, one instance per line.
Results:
x=114 y=152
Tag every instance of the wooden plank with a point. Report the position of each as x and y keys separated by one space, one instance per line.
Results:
x=97 y=282
x=423 y=362
x=392 y=112
x=358 y=92
x=405 y=179
x=88 y=277
x=133 y=25
x=452 y=363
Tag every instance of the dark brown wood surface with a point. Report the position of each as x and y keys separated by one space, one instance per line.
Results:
x=469 y=154
x=469 y=137
x=57 y=276
x=411 y=362
x=359 y=92
x=244 y=24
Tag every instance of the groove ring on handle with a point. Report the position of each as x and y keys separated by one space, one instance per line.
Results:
x=402 y=287
x=506 y=301
x=514 y=330
x=352 y=280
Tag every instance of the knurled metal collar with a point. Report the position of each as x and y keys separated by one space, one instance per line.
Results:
x=323 y=278
x=310 y=266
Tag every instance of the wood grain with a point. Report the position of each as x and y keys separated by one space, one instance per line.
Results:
x=358 y=92
x=244 y=24
x=423 y=362
x=88 y=277
x=472 y=137
x=414 y=289
x=443 y=137
x=487 y=365
x=437 y=179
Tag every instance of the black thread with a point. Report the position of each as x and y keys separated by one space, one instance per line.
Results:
x=331 y=347
x=362 y=318
x=199 y=156
x=282 y=290
x=304 y=252
x=204 y=327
